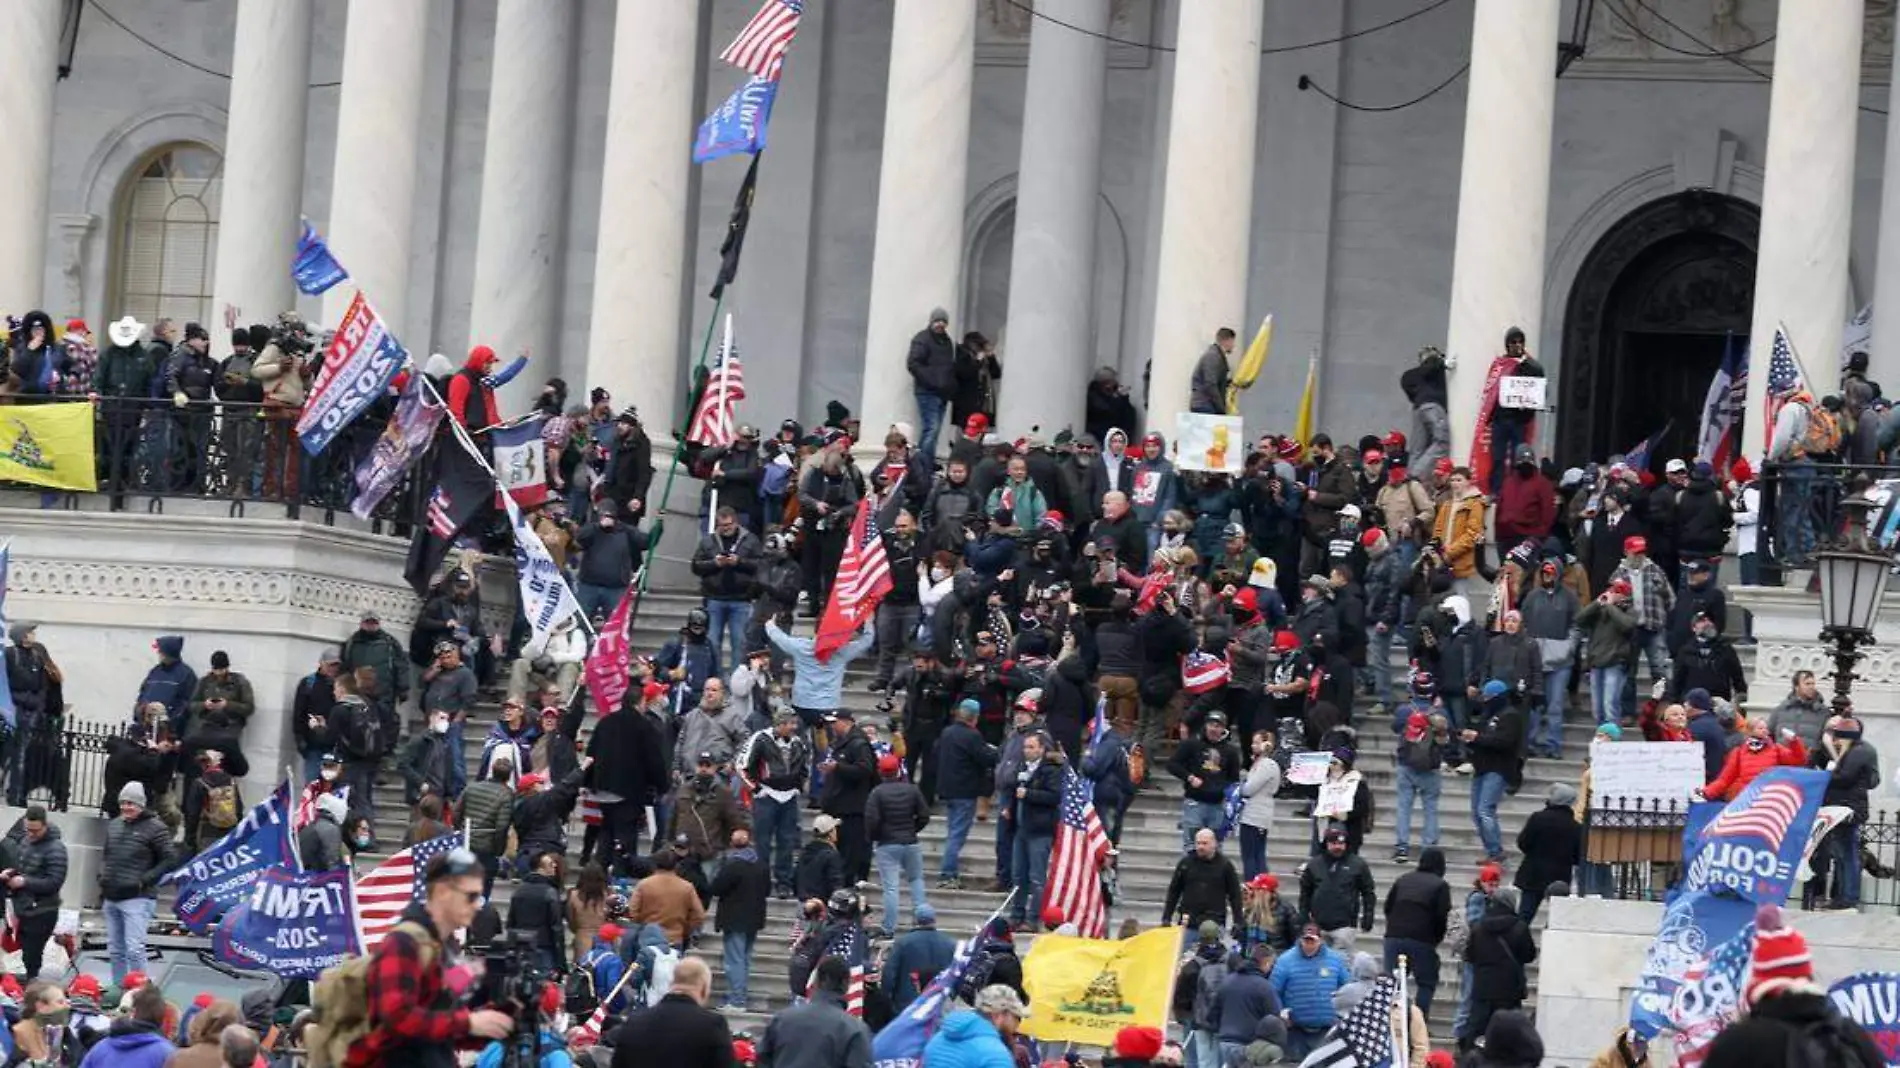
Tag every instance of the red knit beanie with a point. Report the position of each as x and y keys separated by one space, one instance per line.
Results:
x=1781 y=962
x=1138 y=1043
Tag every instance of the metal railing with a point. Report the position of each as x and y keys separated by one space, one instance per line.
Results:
x=246 y=454
x=1801 y=509
x=59 y=762
x=1632 y=849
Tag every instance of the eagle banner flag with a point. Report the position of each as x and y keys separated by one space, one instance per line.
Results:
x=362 y=361
x=1754 y=846
x=521 y=462
x=221 y=876
x=1086 y=989
x=48 y=445
x=294 y=923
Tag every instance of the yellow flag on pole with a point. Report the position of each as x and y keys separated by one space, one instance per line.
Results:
x=1086 y=989
x=1303 y=424
x=1251 y=362
x=48 y=445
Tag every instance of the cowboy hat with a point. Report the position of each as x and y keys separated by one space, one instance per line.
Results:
x=125 y=331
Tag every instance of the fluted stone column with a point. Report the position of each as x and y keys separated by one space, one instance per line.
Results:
x=1052 y=262
x=1497 y=271
x=26 y=113
x=641 y=257
x=1207 y=207
x=524 y=184
x=261 y=197
x=1807 y=198
x=379 y=125
x=915 y=260
x=1884 y=358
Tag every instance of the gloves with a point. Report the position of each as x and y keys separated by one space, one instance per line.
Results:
x=179 y=400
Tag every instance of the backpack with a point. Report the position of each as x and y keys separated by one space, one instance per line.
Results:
x=579 y=996
x=221 y=806
x=1823 y=435
x=362 y=733
x=341 y=1000
x=976 y=976
x=1207 y=995
x=1420 y=756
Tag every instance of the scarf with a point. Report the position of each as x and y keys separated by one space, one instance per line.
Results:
x=1501 y=365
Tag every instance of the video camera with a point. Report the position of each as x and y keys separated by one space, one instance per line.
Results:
x=512 y=982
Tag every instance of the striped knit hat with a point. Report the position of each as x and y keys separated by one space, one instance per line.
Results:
x=1781 y=962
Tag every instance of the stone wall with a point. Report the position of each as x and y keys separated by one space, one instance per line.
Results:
x=1592 y=953
x=271 y=593
x=1787 y=628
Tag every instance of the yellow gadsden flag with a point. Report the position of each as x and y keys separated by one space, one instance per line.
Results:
x=1251 y=362
x=1086 y=989
x=48 y=445
x=1303 y=422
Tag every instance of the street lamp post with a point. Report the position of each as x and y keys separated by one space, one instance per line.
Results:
x=1852 y=571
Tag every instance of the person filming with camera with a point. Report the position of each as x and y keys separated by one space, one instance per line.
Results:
x=414 y=1016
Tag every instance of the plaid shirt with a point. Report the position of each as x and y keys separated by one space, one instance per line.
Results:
x=1658 y=597
x=408 y=1005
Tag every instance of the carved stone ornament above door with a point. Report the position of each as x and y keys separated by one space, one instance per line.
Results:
x=1672 y=39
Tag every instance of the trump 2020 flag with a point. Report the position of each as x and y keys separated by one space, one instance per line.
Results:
x=294 y=923
x=545 y=596
x=1692 y=923
x=362 y=361
x=521 y=462
x=1753 y=847
x=739 y=124
x=1709 y=998
x=901 y=1043
x=221 y=876
x=315 y=269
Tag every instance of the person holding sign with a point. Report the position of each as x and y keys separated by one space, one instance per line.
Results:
x=1501 y=427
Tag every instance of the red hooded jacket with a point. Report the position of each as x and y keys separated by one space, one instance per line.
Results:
x=471 y=400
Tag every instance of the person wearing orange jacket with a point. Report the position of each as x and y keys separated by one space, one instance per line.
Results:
x=1756 y=754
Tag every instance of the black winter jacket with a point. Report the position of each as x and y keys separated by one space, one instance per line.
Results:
x=536 y=908
x=541 y=819
x=894 y=813
x=137 y=852
x=717 y=583
x=1765 y=1038
x=1337 y=892
x=1203 y=888
x=741 y=887
x=1216 y=765
x=1419 y=902
x=1499 y=950
x=848 y=785
x=966 y=764
x=629 y=757
x=1552 y=844
x=820 y=871
x=42 y=864
x=1035 y=811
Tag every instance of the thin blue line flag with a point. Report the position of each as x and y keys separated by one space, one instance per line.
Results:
x=739 y=123
x=315 y=269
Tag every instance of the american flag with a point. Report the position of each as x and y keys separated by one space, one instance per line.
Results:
x=846 y=942
x=440 y=519
x=1764 y=810
x=385 y=890
x=760 y=47
x=1784 y=375
x=306 y=809
x=725 y=387
x=1364 y=1038
x=864 y=577
x=1075 y=861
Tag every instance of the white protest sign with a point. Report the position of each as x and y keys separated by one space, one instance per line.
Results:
x=1209 y=443
x=1336 y=797
x=1645 y=772
x=1518 y=391
x=1308 y=769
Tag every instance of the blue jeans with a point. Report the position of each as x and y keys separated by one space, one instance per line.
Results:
x=1207 y=1049
x=1422 y=960
x=1463 y=1015
x=930 y=420
x=1606 y=692
x=960 y=815
x=1650 y=646
x=775 y=833
x=458 y=763
x=1486 y=792
x=1253 y=851
x=736 y=948
x=126 y=924
x=895 y=863
x=1032 y=871
x=598 y=601
x=1379 y=648
x=1506 y=435
x=1196 y=815
x=728 y=619
x=312 y=765
x=1550 y=708
x=1750 y=567
x=1843 y=846
x=1594 y=880
x=1794 y=512
x=1425 y=786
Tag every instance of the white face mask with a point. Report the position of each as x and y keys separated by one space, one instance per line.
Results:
x=439 y=726
x=329 y=775
x=938 y=574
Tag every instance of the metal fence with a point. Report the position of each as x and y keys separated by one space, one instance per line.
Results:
x=60 y=763
x=1801 y=509
x=151 y=451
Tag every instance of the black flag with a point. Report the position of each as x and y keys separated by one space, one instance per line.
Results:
x=734 y=243
x=462 y=490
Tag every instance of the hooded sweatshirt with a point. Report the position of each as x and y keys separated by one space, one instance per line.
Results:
x=130 y=1044
x=471 y=399
x=1156 y=489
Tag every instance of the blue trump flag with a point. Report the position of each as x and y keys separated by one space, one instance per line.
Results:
x=1694 y=926
x=222 y=875
x=6 y=688
x=901 y=1043
x=315 y=269
x=294 y=923
x=739 y=123
x=1754 y=845
x=1872 y=1000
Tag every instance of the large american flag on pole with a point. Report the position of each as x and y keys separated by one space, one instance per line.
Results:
x=1075 y=863
x=385 y=890
x=725 y=387
x=760 y=47
x=864 y=577
x=846 y=942
x=1784 y=376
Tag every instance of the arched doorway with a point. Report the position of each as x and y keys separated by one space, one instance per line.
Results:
x=1656 y=303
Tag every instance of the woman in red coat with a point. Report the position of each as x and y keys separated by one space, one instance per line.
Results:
x=1754 y=756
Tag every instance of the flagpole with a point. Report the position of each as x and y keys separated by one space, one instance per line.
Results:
x=672 y=470
x=1401 y=1054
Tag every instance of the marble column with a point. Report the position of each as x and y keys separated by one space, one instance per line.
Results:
x=1884 y=357
x=1807 y=198
x=1207 y=206
x=915 y=261
x=1052 y=262
x=640 y=259
x=26 y=113
x=261 y=198
x=379 y=129
x=518 y=250
x=1497 y=270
